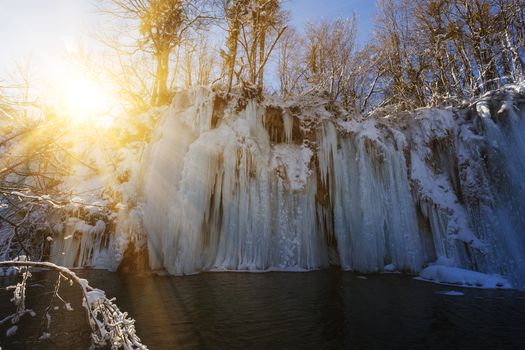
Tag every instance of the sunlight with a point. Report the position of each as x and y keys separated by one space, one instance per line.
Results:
x=157 y=147
x=78 y=96
x=86 y=100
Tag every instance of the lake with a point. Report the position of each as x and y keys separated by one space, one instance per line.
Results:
x=327 y=309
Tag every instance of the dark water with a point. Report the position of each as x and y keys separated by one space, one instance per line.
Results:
x=315 y=310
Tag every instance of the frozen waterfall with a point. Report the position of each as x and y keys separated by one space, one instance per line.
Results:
x=236 y=184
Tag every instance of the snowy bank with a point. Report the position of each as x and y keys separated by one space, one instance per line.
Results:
x=461 y=277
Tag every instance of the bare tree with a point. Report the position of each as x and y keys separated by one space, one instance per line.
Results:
x=434 y=51
x=163 y=25
x=254 y=29
x=291 y=64
x=234 y=10
x=198 y=61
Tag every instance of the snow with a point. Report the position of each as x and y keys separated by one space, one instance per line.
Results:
x=457 y=276
x=80 y=244
x=436 y=190
x=384 y=189
x=44 y=336
x=108 y=324
x=434 y=187
x=366 y=128
x=444 y=261
x=293 y=162
x=451 y=293
x=94 y=296
x=483 y=109
x=390 y=268
x=11 y=331
x=225 y=199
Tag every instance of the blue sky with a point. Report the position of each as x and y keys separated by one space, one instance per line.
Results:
x=44 y=30
x=305 y=10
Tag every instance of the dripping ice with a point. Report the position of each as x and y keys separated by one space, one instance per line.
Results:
x=239 y=184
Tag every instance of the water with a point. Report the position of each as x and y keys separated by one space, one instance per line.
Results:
x=326 y=309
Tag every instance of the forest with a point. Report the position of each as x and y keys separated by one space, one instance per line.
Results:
x=159 y=149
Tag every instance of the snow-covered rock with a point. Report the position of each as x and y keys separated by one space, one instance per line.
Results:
x=462 y=277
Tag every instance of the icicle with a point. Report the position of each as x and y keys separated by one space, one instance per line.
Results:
x=369 y=195
x=288 y=126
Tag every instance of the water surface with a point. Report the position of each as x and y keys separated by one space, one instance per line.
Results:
x=315 y=310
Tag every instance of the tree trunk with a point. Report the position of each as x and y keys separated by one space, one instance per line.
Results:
x=160 y=89
x=252 y=59
x=232 y=55
x=260 y=76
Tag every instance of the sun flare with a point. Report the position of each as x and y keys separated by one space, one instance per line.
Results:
x=80 y=97
x=85 y=99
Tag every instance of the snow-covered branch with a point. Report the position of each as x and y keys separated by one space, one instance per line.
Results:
x=109 y=325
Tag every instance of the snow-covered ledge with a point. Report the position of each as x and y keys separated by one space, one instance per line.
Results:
x=456 y=276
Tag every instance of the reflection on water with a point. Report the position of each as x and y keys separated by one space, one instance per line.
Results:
x=315 y=310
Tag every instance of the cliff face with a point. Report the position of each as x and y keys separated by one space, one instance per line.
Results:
x=241 y=184
x=244 y=185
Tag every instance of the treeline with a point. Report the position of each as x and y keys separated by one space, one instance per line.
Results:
x=422 y=52
x=449 y=49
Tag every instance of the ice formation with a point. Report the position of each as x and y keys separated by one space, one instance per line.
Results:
x=462 y=277
x=241 y=184
x=101 y=223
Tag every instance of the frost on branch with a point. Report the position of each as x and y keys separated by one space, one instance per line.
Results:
x=19 y=299
x=109 y=325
